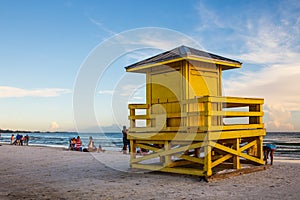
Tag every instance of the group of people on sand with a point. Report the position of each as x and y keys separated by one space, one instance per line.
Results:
x=19 y=140
x=92 y=147
x=76 y=145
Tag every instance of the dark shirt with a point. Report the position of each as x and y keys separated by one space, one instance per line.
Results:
x=18 y=137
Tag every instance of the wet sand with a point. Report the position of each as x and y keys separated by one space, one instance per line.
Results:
x=29 y=172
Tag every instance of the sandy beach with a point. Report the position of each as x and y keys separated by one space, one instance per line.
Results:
x=30 y=172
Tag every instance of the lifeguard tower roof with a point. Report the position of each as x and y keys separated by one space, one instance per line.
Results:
x=183 y=53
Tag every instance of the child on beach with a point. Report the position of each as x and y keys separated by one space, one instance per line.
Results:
x=100 y=149
x=269 y=149
x=12 y=139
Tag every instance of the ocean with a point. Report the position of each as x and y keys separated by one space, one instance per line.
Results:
x=288 y=143
x=110 y=141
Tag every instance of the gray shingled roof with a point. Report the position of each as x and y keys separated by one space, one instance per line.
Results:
x=179 y=52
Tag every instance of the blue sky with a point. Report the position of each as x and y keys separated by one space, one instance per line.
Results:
x=44 y=44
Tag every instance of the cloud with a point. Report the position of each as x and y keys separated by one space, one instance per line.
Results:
x=267 y=42
x=128 y=89
x=274 y=51
x=138 y=98
x=10 y=92
x=272 y=43
x=278 y=119
x=100 y=25
x=208 y=17
x=256 y=34
x=151 y=38
x=106 y=92
x=54 y=126
x=277 y=84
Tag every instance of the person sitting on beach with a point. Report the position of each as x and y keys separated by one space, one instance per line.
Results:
x=78 y=144
x=72 y=143
x=100 y=149
x=269 y=149
x=142 y=151
x=91 y=145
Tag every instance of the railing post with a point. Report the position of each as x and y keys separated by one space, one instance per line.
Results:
x=132 y=121
x=254 y=108
x=207 y=159
x=259 y=142
x=207 y=109
x=132 y=149
x=167 y=158
x=236 y=158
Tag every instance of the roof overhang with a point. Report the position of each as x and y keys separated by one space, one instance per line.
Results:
x=225 y=64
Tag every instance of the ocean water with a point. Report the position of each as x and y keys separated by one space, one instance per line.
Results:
x=110 y=141
x=288 y=143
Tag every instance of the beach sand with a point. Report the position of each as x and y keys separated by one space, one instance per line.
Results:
x=29 y=172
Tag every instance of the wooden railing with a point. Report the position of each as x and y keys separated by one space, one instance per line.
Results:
x=200 y=114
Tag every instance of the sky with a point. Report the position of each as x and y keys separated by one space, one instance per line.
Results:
x=45 y=46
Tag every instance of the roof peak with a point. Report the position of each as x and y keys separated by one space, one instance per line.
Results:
x=184 y=49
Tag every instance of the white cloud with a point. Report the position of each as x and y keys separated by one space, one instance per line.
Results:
x=270 y=42
x=277 y=84
x=128 y=90
x=278 y=119
x=156 y=38
x=138 y=98
x=208 y=18
x=110 y=92
x=8 y=92
x=101 y=26
x=274 y=50
x=54 y=126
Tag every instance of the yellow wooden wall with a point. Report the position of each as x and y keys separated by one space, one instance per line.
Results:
x=180 y=81
x=204 y=79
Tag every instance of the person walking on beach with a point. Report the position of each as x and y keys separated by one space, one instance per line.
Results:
x=269 y=149
x=125 y=140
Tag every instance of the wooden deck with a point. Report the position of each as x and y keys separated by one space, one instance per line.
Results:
x=195 y=136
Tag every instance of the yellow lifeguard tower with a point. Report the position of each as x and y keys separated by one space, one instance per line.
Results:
x=186 y=125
